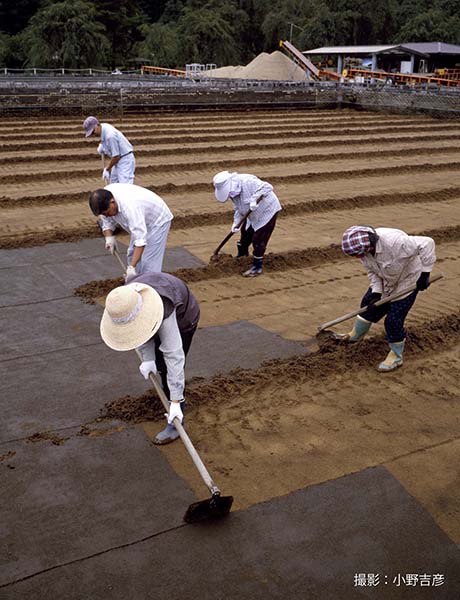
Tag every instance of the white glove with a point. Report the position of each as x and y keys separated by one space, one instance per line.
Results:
x=110 y=243
x=146 y=367
x=130 y=272
x=105 y=174
x=235 y=228
x=253 y=205
x=174 y=411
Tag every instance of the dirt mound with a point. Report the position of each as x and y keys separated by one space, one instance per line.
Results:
x=224 y=265
x=328 y=361
x=274 y=66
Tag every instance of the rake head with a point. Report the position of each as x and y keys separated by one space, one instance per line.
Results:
x=215 y=507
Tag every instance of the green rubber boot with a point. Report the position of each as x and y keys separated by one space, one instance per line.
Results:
x=394 y=357
x=360 y=328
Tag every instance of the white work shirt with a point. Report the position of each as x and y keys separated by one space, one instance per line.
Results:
x=398 y=261
x=173 y=354
x=252 y=188
x=140 y=212
x=114 y=143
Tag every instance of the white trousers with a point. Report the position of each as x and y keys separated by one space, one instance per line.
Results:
x=123 y=171
x=154 y=250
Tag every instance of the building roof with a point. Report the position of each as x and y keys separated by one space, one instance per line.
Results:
x=366 y=50
x=434 y=48
x=422 y=48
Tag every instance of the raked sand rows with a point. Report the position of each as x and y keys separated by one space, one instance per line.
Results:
x=274 y=431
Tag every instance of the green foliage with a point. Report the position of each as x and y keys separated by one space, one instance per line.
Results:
x=172 y=12
x=5 y=41
x=160 y=46
x=65 y=34
x=251 y=37
x=432 y=25
x=172 y=33
x=286 y=17
x=122 y=20
x=321 y=29
x=152 y=9
x=207 y=33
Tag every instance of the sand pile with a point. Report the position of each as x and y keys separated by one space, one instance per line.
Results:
x=274 y=66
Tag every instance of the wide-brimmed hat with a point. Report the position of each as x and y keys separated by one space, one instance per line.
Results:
x=222 y=185
x=133 y=314
x=89 y=125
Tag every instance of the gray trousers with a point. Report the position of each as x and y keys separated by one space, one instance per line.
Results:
x=154 y=250
x=123 y=171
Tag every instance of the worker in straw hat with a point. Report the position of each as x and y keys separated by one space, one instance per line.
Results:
x=140 y=212
x=394 y=261
x=157 y=314
x=114 y=144
x=249 y=193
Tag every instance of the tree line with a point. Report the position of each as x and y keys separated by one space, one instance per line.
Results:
x=78 y=34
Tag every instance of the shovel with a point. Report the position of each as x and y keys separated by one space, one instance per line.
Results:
x=215 y=507
x=378 y=303
x=229 y=235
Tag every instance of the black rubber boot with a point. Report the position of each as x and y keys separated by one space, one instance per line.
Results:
x=256 y=269
x=242 y=250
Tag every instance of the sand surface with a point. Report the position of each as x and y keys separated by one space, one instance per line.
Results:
x=315 y=418
x=273 y=66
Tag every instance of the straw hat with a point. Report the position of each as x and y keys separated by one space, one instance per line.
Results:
x=133 y=314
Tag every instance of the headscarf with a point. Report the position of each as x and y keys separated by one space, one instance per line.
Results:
x=356 y=240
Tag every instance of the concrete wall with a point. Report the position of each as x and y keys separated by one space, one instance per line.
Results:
x=51 y=97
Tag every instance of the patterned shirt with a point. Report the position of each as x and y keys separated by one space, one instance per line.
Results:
x=252 y=188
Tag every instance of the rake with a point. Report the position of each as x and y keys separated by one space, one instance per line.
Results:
x=216 y=506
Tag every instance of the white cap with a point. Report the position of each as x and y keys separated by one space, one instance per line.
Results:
x=222 y=185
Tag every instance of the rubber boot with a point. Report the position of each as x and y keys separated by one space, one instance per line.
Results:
x=242 y=250
x=394 y=357
x=360 y=328
x=169 y=433
x=256 y=268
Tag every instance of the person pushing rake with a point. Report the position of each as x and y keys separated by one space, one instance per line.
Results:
x=395 y=262
x=157 y=314
x=256 y=209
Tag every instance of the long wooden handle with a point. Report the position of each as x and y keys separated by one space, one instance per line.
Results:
x=222 y=244
x=378 y=303
x=206 y=477
x=229 y=235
